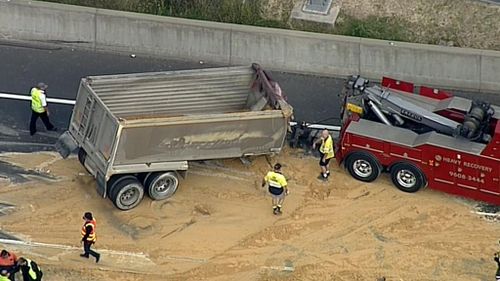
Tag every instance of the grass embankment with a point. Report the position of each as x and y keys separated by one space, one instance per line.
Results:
x=249 y=12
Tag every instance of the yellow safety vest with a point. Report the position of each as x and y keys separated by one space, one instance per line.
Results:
x=36 y=101
x=327 y=147
x=275 y=179
x=31 y=272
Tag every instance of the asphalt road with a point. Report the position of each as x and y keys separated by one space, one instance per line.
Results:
x=23 y=65
x=61 y=68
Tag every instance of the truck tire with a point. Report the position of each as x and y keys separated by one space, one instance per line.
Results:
x=407 y=177
x=363 y=166
x=82 y=155
x=126 y=193
x=161 y=185
x=113 y=181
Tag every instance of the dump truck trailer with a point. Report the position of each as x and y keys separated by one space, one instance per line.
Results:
x=136 y=133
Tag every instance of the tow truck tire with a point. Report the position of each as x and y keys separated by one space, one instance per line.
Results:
x=126 y=193
x=407 y=177
x=363 y=166
x=161 y=185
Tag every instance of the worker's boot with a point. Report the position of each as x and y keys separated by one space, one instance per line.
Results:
x=323 y=176
x=84 y=255
x=275 y=210
x=97 y=258
x=278 y=210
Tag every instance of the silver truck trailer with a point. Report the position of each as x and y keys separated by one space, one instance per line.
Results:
x=136 y=133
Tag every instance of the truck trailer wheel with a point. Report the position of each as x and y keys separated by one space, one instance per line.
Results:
x=113 y=181
x=407 y=177
x=126 y=193
x=363 y=166
x=161 y=185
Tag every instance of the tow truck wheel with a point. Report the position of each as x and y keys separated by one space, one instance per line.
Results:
x=407 y=177
x=126 y=193
x=161 y=185
x=363 y=166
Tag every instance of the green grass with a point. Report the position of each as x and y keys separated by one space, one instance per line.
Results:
x=372 y=27
x=229 y=11
x=104 y=4
x=384 y=28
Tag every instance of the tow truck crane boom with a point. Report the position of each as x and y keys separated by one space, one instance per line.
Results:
x=394 y=111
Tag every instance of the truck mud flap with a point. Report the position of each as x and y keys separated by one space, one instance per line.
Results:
x=101 y=185
x=66 y=144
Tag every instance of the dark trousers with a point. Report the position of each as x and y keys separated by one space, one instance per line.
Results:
x=87 y=251
x=27 y=276
x=12 y=270
x=45 y=120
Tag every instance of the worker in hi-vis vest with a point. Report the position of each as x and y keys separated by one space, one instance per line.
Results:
x=30 y=270
x=326 y=152
x=39 y=108
x=277 y=187
x=4 y=275
x=8 y=261
x=89 y=236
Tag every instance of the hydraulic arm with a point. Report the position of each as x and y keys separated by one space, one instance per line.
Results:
x=396 y=111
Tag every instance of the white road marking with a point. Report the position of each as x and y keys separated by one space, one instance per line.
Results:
x=70 y=248
x=25 y=97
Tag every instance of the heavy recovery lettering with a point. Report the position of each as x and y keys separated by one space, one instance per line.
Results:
x=466 y=164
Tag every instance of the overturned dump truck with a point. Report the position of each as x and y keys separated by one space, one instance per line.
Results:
x=136 y=133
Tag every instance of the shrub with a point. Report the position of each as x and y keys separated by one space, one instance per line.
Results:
x=374 y=27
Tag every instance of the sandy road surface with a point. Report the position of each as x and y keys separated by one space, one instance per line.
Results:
x=219 y=226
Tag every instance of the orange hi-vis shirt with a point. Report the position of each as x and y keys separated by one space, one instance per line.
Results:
x=92 y=236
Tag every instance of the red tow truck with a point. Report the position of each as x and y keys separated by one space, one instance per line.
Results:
x=429 y=139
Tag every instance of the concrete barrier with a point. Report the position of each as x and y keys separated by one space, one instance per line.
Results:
x=490 y=71
x=296 y=51
x=426 y=64
x=41 y=21
x=163 y=36
x=231 y=44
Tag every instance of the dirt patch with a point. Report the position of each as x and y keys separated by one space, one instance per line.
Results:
x=220 y=226
x=462 y=23
x=277 y=9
